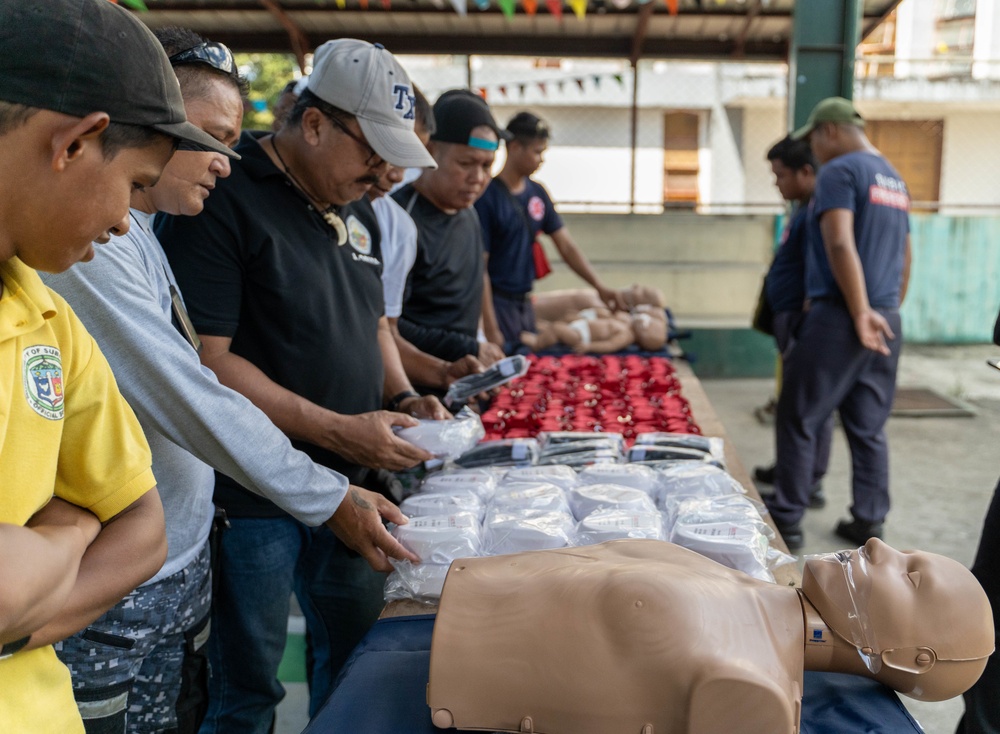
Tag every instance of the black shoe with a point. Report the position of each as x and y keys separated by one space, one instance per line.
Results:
x=764 y=474
x=792 y=535
x=858 y=531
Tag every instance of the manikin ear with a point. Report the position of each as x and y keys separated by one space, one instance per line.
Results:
x=70 y=140
x=910 y=659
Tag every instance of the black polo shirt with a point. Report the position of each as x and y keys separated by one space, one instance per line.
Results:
x=444 y=290
x=261 y=265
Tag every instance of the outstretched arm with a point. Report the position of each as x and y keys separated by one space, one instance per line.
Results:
x=571 y=254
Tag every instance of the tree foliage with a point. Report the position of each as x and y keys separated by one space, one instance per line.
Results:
x=267 y=75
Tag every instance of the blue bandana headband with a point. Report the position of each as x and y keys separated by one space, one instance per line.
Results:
x=482 y=144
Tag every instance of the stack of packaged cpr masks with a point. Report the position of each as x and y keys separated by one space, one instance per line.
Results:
x=707 y=511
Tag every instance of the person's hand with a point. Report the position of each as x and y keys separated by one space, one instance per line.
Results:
x=873 y=330
x=358 y=523
x=59 y=512
x=467 y=365
x=427 y=406
x=367 y=439
x=614 y=299
x=490 y=353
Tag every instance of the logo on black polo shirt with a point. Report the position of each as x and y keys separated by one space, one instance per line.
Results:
x=536 y=208
x=43 y=380
x=359 y=236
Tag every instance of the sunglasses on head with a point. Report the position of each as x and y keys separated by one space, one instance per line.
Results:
x=216 y=55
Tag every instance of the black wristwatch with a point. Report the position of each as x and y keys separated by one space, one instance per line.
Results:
x=11 y=647
x=397 y=400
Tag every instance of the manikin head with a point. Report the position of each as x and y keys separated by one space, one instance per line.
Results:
x=834 y=128
x=81 y=130
x=528 y=143
x=650 y=331
x=921 y=621
x=794 y=169
x=352 y=121
x=423 y=126
x=213 y=100
x=464 y=146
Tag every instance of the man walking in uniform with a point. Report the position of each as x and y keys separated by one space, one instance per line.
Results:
x=847 y=348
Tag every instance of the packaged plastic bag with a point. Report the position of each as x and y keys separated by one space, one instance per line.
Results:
x=442 y=538
x=604 y=525
x=638 y=454
x=418 y=581
x=530 y=496
x=443 y=503
x=592 y=497
x=499 y=373
x=502 y=452
x=693 y=481
x=635 y=476
x=526 y=530
x=713 y=446
x=550 y=439
x=557 y=474
x=481 y=482
x=448 y=438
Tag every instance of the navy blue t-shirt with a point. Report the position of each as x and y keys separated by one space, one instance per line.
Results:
x=509 y=234
x=867 y=184
x=786 y=279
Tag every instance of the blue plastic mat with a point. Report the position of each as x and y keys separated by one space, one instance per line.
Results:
x=383 y=688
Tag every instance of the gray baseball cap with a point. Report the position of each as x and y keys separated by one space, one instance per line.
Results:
x=366 y=80
x=82 y=56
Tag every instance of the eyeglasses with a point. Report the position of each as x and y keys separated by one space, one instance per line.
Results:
x=374 y=159
x=216 y=55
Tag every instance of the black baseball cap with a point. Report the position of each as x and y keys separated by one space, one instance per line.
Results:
x=83 y=56
x=457 y=113
x=527 y=125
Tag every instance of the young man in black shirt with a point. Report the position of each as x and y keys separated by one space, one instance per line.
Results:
x=444 y=296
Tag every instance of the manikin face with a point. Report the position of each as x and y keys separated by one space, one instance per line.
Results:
x=190 y=176
x=463 y=172
x=792 y=184
x=88 y=196
x=908 y=612
x=527 y=156
x=343 y=167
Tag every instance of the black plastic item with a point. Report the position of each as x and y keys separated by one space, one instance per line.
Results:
x=502 y=452
x=665 y=453
x=496 y=375
x=683 y=440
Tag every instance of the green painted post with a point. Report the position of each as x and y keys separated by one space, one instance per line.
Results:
x=825 y=35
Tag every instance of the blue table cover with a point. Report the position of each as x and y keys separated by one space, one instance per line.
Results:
x=383 y=688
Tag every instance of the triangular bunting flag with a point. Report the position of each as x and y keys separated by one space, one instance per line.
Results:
x=621 y=4
x=579 y=83
x=521 y=88
x=579 y=7
x=387 y=4
x=483 y=4
x=597 y=81
x=672 y=6
x=541 y=86
x=363 y=4
x=530 y=6
x=460 y=7
x=481 y=92
x=555 y=7
x=507 y=7
x=559 y=85
x=618 y=78
x=341 y=4
x=134 y=4
x=502 y=90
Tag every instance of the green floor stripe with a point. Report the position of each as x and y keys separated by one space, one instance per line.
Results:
x=293 y=662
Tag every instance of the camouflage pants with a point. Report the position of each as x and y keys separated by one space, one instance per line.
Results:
x=129 y=666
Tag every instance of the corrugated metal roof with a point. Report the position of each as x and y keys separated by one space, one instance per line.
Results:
x=753 y=29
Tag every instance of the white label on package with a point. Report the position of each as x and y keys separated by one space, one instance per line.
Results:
x=438 y=521
x=519 y=451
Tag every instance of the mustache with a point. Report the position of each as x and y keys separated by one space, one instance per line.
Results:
x=369 y=180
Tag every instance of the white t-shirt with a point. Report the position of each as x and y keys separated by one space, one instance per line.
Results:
x=399 y=251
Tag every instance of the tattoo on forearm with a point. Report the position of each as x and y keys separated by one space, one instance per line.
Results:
x=361 y=501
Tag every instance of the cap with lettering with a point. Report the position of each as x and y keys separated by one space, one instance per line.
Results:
x=366 y=80
x=82 y=56
x=831 y=109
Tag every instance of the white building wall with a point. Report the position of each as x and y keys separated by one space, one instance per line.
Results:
x=986 y=44
x=762 y=128
x=970 y=162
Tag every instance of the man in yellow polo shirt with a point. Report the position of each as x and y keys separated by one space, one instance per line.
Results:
x=80 y=520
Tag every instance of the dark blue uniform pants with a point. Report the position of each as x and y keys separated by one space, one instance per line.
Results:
x=828 y=369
